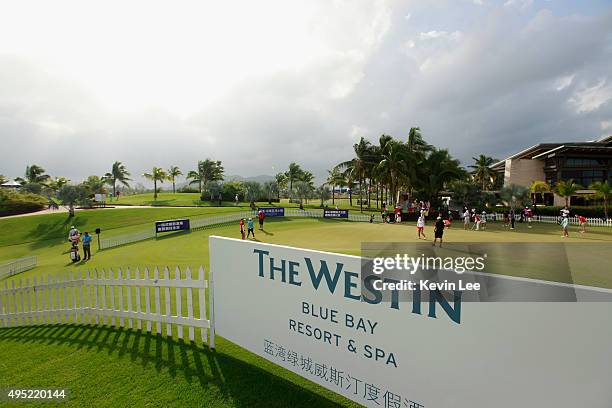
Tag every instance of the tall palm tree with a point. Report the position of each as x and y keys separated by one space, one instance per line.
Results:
x=349 y=181
x=57 y=183
x=173 y=173
x=156 y=174
x=281 y=181
x=394 y=164
x=360 y=164
x=293 y=175
x=270 y=187
x=482 y=173
x=334 y=179
x=567 y=189
x=415 y=141
x=603 y=191
x=119 y=174
x=208 y=170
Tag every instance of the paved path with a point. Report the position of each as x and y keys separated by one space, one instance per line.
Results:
x=65 y=210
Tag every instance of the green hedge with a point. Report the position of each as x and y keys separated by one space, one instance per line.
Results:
x=13 y=203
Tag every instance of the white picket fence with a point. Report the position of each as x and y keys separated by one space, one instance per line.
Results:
x=160 y=303
x=17 y=266
x=549 y=219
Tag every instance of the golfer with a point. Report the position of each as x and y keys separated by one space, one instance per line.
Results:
x=466 y=219
x=242 y=228
x=251 y=230
x=421 y=227
x=483 y=221
x=582 y=220
x=565 y=226
x=528 y=215
x=438 y=231
x=261 y=216
x=87 y=246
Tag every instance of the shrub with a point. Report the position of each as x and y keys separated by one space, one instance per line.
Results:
x=13 y=202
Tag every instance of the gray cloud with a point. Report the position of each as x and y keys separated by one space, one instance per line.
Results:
x=512 y=77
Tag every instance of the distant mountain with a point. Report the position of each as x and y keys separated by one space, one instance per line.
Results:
x=262 y=178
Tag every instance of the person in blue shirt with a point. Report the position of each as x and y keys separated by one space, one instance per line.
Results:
x=87 y=246
x=250 y=227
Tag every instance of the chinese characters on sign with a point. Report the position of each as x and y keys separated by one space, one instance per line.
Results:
x=173 y=225
x=273 y=211
x=342 y=379
x=330 y=213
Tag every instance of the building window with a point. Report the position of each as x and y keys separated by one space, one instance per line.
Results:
x=579 y=162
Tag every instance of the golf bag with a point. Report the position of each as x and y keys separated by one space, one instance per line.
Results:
x=74 y=254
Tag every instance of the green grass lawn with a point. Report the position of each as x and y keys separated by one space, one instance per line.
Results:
x=193 y=200
x=119 y=367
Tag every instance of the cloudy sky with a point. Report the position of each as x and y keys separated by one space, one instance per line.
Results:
x=260 y=84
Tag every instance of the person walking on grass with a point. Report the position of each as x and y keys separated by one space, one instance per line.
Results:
x=466 y=219
x=87 y=246
x=261 y=215
x=438 y=231
x=565 y=227
x=242 y=228
x=529 y=216
x=251 y=228
x=421 y=227
x=583 y=221
x=512 y=219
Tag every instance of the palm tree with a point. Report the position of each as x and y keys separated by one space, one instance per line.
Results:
x=252 y=192
x=293 y=175
x=173 y=173
x=603 y=191
x=34 y=174
x=334 y=179
x=281 y=182
x=157 y=174
x=482 y=173
x=349 y=181
x=94 y=184
x=208 y=170
x=360 y=164
x=394 y=164
x=323 y=194
x=308 y=178
x=57 y=183
x=415 y=141
x=119 y=174
x=538 y=188
x=514 y=195
x=439 y=169
x=270 y=187
x=303 y=190
x=567 y=189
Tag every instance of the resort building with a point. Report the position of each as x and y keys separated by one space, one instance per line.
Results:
x=584 y=162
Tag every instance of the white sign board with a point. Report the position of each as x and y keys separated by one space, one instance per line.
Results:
x=100 y=198
x=499 y=354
